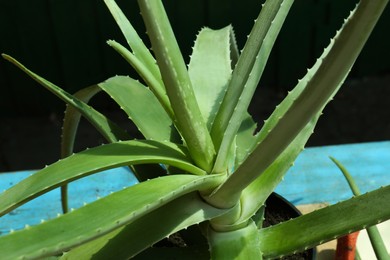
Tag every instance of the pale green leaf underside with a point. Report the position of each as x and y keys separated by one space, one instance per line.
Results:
x=142 y=107
x=92 y=161
x=178 y=214
x=320 y=226
x=210 y=70
x=101 y=217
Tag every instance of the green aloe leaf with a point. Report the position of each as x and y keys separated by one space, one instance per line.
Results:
x=107 y=128
x=156 y=85
x=140 y=58
x=345 y=48
x=92 y=161
x=319 y=226
x=101 y=217
x=72 y=118
x=142 y=107
x=189 y=209
x=135 y=42
x=69 y=130
x=188 y=118
x=253 y=78
x=242 y=72
x=210 y=69
x=257 y=192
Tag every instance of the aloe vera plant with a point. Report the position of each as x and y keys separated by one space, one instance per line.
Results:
x=204 y=173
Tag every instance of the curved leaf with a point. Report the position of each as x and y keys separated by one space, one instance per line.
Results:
x=101 y=217
x=69 y=129
x=92 y=161
x=107 y=128
x=155 y=84
x=72 y=118
x=142 y=107
x=135 y=42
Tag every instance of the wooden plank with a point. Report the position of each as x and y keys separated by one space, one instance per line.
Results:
x=313 y=179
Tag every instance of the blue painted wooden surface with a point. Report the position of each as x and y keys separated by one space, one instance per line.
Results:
x=313 y=179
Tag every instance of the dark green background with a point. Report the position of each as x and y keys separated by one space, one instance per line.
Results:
x=65 y=42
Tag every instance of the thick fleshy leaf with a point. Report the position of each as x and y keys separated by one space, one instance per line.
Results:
x=178 y=214
x=326 y=224
x=210 y=69
x=257 y=192
x=156 y=85
x=92 y=161
x=140 y=58
x=102 y=216
x=334 y=68
x=134 y=41
x=142 y=107
x=252 y=79
x=188 y=118
x=245 y=135
x=72 y=118
x=69 y=130
x=241 y=73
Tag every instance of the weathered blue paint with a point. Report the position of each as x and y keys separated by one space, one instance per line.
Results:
x=313 y=179
x=48 y=206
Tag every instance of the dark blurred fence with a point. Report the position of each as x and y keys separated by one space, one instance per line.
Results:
x=64 y=41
